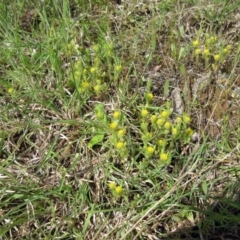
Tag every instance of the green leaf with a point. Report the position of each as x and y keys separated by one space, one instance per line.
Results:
x=96 y=139
x=205 y=187
x=181 y=53
x=166 y=88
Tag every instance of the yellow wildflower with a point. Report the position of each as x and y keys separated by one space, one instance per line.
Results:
x=149 y=150
x=144 y=112
x=121 y=132
x=160 y=121
x=165 y=114
x=119 y=145
x=216 y=57
x=116 y=114
x=113 y=125
x=195 y=43
x=163 y=157
x=198 y=51
x=112 y=185
x=167 y=125
x=206 y=52
x=119 y=190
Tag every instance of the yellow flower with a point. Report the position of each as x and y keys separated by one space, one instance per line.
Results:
x=206 y=52
x=162 y=142
x=149 y=96
x=186 y=118
x=92 y=70
x=178 y=119
x=10 y=90
x=121 y=132
x=165 y=114
x=112 y=185
x=195 y=43
x=144 y=112
x=118 y=68
x=160 y=121
x=153 y=118
x=227 y=49
x=198 y=51
x=85 y=85
x=213 y=39
x=189 y=132
x=216 y=57
x=174 y=131
x=149 y=150
x=119 y=190
x=119 y=145
x=167 y=125
x=116 y=114
x=97 y=88
x=113 y=125
x=163 y=157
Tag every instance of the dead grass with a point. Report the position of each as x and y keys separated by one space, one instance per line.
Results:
x=53 y=185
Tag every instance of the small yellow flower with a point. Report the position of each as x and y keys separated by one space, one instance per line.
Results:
x=229 y=47
x=186 y=118
x=216 y=57
x=162 y=142
x=225 y=51
x=206 y=52
x=121 y=132
x=174 y=131
x=149 y=150
x=112 y=185
x=85 y=85
x=160 y=122
x=97 y=88
x=144 y=112
x=11 y=90
x=198 y=51
x=118 y=68
x=195 y=43
x=165 y=114
x=93 y=70
x=213 y=39
x=119 y=190
x=149 y=96
x=178 y=119
x=116 y=114
x=167 y=125
x=113 y=125
x=153 y=118
x=163 y=157
x=119 y=145
x=189 y=132
x=149 y=135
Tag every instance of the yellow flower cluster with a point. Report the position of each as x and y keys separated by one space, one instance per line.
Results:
x=116 y=190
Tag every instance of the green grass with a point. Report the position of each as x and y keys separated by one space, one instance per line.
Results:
x=112 y=126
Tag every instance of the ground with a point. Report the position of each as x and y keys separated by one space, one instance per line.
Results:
x=119 y=119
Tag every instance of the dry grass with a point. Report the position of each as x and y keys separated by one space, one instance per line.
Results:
x=54 y=181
